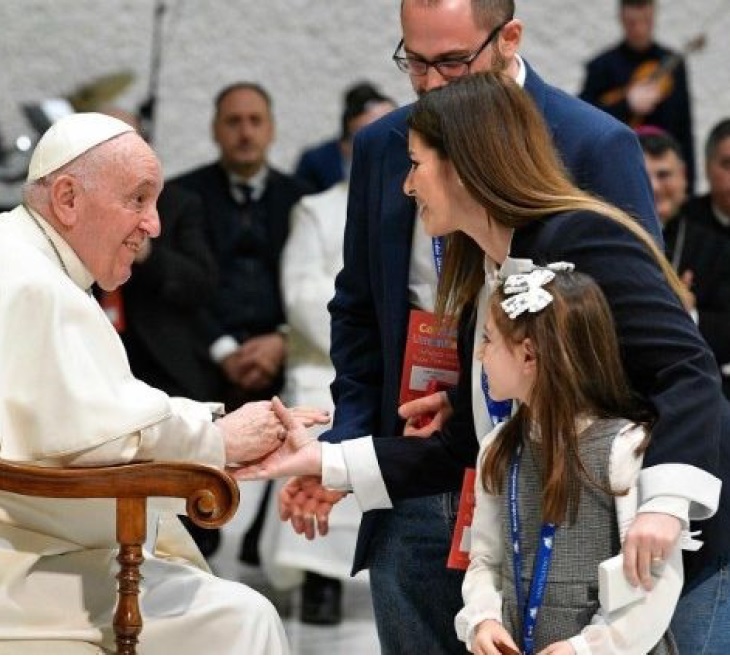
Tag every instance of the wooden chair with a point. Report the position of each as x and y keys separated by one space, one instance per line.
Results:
x=211 y=497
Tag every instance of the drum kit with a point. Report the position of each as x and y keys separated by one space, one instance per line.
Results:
x=41 y=115
x=92 y=96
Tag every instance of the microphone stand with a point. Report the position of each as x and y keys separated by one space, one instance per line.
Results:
x=148 y=107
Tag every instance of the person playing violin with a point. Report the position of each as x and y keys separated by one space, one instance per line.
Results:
x=641 y=82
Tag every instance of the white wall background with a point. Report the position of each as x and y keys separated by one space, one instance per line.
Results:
x=304 y=51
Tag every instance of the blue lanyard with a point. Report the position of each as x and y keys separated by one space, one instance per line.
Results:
x=499 y=411
x=541 y=566
x=437 y=244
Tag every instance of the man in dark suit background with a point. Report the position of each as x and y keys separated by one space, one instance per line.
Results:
x=713 y=209
x=158 y=312
x=247 y=204
x=697 y=251
x=163 y=301
x=389 y=268
x=610 y=83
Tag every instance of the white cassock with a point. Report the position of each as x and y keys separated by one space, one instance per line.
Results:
x=67 y=397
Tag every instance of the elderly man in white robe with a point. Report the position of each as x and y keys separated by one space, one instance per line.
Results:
x=68 y=398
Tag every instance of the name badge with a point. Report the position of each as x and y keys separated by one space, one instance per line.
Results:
x=430 y=362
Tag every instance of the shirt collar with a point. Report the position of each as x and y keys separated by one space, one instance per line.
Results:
x=521 y=71
x=257 y=183
x=69 y=261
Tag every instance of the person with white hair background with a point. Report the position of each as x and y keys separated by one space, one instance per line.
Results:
x=68 y=398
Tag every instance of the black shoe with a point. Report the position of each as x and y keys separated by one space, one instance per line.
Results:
x=321 y=600
x=207 y=540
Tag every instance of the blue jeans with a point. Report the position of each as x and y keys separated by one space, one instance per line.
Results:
x=415 y=596
x=701 y=622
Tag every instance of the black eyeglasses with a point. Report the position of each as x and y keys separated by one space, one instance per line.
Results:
x=448 y=67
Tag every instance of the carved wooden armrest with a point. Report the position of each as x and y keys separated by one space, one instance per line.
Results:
x=211 y=497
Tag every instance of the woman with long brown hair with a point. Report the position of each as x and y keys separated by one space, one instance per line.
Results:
x=485 y=177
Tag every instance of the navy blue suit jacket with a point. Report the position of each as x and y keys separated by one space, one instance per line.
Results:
x=370 y=307
x=321 y=166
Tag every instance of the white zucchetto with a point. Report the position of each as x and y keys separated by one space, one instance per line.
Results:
x=70 y=137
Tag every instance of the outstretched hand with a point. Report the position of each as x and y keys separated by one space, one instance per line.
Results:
x=307 y=504
x=297 y=453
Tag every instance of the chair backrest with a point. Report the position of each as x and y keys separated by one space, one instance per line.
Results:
x=211 y=496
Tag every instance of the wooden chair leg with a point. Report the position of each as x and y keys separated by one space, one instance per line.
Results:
x=131 y=534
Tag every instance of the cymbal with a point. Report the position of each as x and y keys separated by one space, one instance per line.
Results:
x=102 y=90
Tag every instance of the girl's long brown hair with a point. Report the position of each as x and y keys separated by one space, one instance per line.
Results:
x=578 y=373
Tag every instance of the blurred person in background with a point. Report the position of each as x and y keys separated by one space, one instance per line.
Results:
x=327 y=163
x=641 y=82
x=311 y=259
x=246 y=205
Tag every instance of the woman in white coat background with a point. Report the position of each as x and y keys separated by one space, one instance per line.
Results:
x=311 y=260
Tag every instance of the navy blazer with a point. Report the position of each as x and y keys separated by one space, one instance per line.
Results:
x=370 y=307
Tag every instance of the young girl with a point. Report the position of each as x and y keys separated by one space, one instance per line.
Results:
x=558 y=479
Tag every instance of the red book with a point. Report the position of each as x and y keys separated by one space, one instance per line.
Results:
x=459 y=552
x=430 y=362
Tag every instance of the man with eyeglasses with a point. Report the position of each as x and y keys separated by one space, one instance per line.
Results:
x=388 y=269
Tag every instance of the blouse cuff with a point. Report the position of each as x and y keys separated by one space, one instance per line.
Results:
x=467 y=622
x=580 y=645
x=222 y=348
x=699 y=488
x=353 y=465
x=334 y=468
x=364 y=473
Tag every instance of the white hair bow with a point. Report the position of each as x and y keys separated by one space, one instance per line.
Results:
x=529 y=295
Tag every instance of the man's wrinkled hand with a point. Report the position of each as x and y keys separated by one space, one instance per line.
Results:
x=307 y=504
x=294 y=452
x=425 y=415
x=255 y=430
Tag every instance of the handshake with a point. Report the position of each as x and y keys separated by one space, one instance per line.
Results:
x=285 y=448
x=266 y=440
